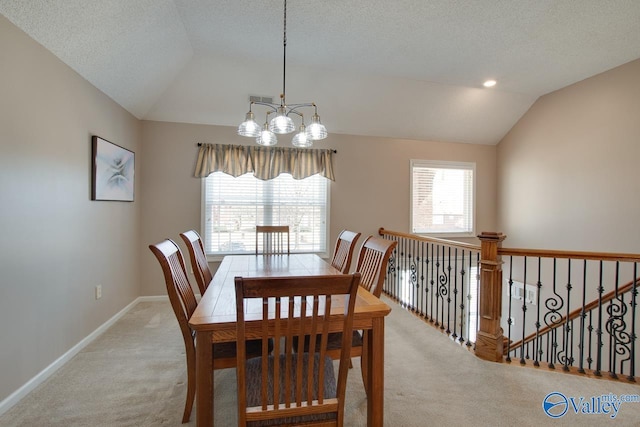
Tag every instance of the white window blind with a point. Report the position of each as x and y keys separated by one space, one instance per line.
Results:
x=232 y=207
x=442 y=198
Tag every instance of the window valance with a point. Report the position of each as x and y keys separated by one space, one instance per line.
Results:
x=265 y=162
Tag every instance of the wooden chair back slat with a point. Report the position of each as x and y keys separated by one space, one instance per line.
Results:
x=292 y=385
x=273 y=239
x=198 y=259
x=289 y=356
x=343 y=252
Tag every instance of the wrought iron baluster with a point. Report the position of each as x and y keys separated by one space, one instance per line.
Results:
x=553 y=348
x=552 y=317
x=462 y=277
x=468 y=311
x=510 y=319
x=406 y=291
x=414 y=277
x=448 y=293
x=572 y=335
x=567 y=326
x=537 y=350
x=396 y=276
x=590 y=329
x=582 y=317
x=386 y=283
x=437 y=323
x=524 y=312
x=634 y=337
x=432 y=282
x=598 y=371
x=403 y=258
x=478 y=290
x=548 y=338
x=409 y=264
x=455 y=293
x=396 y=272
x=420 y=272
x=426 y=286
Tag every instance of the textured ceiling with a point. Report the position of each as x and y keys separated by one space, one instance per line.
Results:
x=403 y=68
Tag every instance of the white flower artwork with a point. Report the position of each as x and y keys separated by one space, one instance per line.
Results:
x=113 y=171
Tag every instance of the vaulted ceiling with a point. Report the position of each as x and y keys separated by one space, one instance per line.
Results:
x=402 y=68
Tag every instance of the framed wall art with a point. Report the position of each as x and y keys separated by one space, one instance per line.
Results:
x=112 y=170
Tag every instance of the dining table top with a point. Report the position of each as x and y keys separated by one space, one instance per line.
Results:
x=216 y=310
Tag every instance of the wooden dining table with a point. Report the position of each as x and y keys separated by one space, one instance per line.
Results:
x=214 y=321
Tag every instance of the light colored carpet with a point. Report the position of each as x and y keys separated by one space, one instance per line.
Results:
x=134 y=375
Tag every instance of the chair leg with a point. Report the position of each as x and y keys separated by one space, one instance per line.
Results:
x=191 y=386
x=350 y=364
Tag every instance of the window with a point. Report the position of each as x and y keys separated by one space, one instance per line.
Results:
x=232 y=207
x=442 y=198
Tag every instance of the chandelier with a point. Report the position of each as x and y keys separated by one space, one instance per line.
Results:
x=282 y=123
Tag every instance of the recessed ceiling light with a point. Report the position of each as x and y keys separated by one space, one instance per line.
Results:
x=489 y=83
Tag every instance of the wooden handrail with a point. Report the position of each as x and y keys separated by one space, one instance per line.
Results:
x=544 y=253
x=576 y=313
x=460 y=245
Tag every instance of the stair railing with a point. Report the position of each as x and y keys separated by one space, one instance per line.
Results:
x=574 y=310
x=437 y=280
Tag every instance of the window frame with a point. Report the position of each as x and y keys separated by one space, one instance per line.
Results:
x=217 y=257
x=444 y=164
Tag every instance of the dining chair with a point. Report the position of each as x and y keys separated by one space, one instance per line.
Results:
x=287 y=387
x=273 y=239
x=199 y=263
x=183 y=302
x=372 y=263
x=343 y=251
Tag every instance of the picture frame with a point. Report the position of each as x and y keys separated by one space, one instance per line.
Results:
x=113 y=171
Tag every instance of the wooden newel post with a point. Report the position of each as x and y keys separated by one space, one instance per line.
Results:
x=489 y=340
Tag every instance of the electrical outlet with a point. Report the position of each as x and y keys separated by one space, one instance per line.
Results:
x=98 y=291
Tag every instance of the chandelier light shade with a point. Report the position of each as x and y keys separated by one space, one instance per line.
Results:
x=301 y=139
x=266 y=137
x=249 y=127
x=316 y=130
x=282 y=122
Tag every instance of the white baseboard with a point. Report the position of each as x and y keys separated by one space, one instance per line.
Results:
x=153 y=298
x=34 y=382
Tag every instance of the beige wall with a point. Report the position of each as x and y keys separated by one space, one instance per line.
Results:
x=56 y=244
x=371 y=188
x=568 y=171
